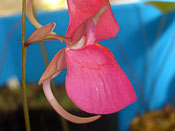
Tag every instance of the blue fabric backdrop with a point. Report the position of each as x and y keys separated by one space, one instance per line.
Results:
x=136 y=44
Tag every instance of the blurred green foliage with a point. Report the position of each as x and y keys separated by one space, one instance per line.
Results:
x=165 y=7
x=11 y=99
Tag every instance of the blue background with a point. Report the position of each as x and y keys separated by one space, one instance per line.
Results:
x=136 y=44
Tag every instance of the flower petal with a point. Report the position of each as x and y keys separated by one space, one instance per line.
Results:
x=60 y=110
x=95 y=82
x=80 y=10
x=40 y=34
x=90 y=34
x=84 y=27
x=57 y=64
x=88 y=28
x=87 y=39
x=30 y=15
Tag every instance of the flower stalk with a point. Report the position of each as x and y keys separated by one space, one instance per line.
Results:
x=24 y=54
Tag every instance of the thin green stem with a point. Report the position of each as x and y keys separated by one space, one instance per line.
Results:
x=24 y=54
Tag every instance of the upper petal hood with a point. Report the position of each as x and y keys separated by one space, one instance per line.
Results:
x=80 y=10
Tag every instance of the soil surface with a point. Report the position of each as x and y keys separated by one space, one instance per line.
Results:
x=42 y=116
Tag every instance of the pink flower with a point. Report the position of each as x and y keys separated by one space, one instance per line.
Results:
x=94 y=82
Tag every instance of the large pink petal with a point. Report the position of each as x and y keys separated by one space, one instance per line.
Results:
x=60 y=110
x=57 y=64
x=95 y=82
x=80 y=10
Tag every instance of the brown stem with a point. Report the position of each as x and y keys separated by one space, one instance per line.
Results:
x=24 y=54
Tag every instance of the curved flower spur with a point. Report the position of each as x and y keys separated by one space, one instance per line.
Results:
x=94 y=81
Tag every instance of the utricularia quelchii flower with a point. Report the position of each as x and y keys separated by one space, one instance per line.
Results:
x=94 y=81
